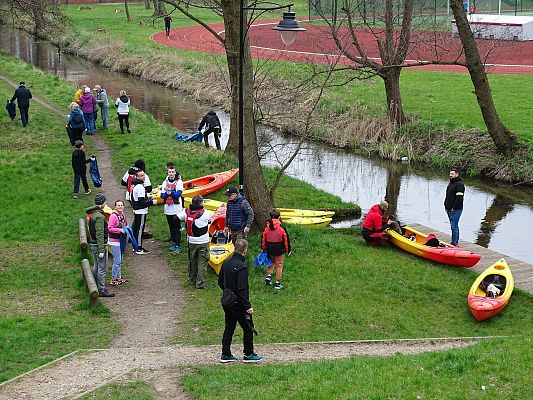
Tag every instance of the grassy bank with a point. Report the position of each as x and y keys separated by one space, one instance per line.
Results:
x=446 y=127
x=43 y=306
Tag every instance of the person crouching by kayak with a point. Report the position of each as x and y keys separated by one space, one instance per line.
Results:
x=375 y=224
x=275 y=241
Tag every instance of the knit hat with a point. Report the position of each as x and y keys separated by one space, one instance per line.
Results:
x=99 y=199
x=384 y=205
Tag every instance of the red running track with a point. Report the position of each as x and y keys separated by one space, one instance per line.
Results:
x=316 y=46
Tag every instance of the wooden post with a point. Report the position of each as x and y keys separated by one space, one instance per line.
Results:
x=88 y=277
x=84 y=245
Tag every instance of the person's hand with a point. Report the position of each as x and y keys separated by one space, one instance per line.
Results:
x=246 y=229
x=122 y=231
x=154 y=201
x=226 y=229
x=101 y=255
x=390 y=222
x=250 y=311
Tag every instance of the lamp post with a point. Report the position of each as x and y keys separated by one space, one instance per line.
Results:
x=288 y=28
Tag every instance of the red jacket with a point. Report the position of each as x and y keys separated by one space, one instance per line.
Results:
x=374 y=220
x=275 y=241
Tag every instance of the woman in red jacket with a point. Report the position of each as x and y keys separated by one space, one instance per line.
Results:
x=276 y=243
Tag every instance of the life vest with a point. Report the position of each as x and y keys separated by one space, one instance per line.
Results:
x=171 y=185
x=92 y=227
x=121 y=224
x=129 y=185
x=234 y=214
x=193 y=230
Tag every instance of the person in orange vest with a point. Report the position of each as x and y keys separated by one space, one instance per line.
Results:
x=275 y=241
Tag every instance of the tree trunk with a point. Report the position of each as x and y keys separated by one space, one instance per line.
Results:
x=37 y=11
x=159 y=9
x=146 y=4
x=391 y=79
x=504 y=140
x=254 y=184
x=128 y=16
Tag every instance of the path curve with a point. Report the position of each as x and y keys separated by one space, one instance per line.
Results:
x=316 y=46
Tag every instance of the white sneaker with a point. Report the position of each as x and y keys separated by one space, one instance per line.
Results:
x=142 y=251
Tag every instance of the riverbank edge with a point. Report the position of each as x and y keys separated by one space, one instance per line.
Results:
x=417 y=142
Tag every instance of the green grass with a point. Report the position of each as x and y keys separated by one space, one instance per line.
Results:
x=138 y=390
x=44 y=308
x=495 y=369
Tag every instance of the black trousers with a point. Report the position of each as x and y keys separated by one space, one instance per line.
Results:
x=216 y=131
x=124 y=119
x=167 y=29
x=24 y=116
x=139 y=222
x=78 y=133
x=174 y=225
x=232 y=315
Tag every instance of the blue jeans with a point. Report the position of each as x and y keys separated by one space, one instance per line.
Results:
x=104 y=116
x=117 y=262
x=453 y=216
x=89 y=123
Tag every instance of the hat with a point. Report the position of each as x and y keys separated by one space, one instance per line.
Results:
x=97 y=87
x=231 y=190
x=87 y=89
x=384 y=205
x=22 y=83
x=99 y=199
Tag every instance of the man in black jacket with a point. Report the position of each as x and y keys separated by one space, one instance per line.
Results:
x=453 y=203
x=212 y=125
x=23 y=96
x=234 y=276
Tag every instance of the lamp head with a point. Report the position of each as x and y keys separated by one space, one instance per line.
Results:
x=288 y=28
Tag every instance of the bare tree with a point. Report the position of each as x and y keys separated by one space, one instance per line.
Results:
x=36 y=16
x=128 y=16
x=146 y=4
x=503 y=139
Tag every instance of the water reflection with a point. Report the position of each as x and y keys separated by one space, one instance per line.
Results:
x=493 y=216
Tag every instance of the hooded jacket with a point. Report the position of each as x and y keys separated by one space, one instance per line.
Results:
x=123 y=105
x=374 y=220
x=139 y=201
x=87 y=103
x=210 y=120
x=101 y=98
x=235 y=274
x=72 y=119
x=275 y=241
x=79 y=161
x=455 y=193
x=98 y=231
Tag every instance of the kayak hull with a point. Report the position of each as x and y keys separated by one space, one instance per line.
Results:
x=483 y=307
x=446 y=254
x=218 y=253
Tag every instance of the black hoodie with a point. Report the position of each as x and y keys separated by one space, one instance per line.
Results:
x=455 y=193
x=210 y=120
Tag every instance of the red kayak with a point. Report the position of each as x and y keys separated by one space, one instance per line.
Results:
x=208 y=184
x=218 y=219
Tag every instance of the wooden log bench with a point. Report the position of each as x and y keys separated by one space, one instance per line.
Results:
x=90 y=283
x=82 y=231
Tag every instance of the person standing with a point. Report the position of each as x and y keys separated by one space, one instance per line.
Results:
x=275 y=241
x=168 y=20
x=98 y=235
x=453 y=203
x=79 y=167
x=88 y=106
x=197 y=221
x=171 y=190
x=117 y=223
x=140 y=203
x=123 y=111
x=234 y=276
x=79 y=93
x=76 y=121
x=239 y=215
x=23 y=95
x=103 y=103
x=376 y=222
x=212 y=124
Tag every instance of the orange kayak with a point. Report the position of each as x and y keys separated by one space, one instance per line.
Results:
x=497 y=277
x=208 y=184
x=218 y=219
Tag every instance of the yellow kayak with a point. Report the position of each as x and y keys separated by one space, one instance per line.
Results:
x=219 y=250
x=311 y=222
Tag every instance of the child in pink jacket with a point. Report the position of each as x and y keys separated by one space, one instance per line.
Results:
x=117 y=222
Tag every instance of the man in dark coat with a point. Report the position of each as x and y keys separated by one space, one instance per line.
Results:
x=168 y=20
x=453 y=203
x=212 y=124
x=23 y=96
x=234 y=276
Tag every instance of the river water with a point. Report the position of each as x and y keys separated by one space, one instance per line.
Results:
x=495 y=216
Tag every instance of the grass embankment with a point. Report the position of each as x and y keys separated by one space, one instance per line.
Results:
x=43 y=306
x=335 y=287
x=447 y=126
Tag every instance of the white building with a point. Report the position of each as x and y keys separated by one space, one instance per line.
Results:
x=502 y=27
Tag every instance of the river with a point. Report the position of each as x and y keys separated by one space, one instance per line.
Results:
x=495 y=216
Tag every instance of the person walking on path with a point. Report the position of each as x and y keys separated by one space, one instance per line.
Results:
x=76 y=121
x=453 y=203
x=168 y=20
x=23 y=95
x=239 y=215
x=171 y=190
x=98 y=233
x=233 y=276
x=88 y=106
x=117 y=223
x=140 y=203
x=103 y=103
x=79 y=167
x=376 y=222
x=197 y=221
x=276 y=242
x=212 y=125
x=123 y=111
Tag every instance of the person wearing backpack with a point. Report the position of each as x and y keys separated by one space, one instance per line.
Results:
x=275 y=241
x=98 y=236
x=79 y=167
x=76 y=121
x=197 y=222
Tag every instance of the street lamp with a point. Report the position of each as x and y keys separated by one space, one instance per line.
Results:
x=288 y=28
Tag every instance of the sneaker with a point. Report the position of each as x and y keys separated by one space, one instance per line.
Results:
x=177 y=249
x=88 y=191
x=182 y=229
x=105 y=293
x=75 y=197
x=142 y=251
x=123 y=281
x=227 y=359
x=278 y=285
x=268 y=280
x=116 y=282
x=252 y=358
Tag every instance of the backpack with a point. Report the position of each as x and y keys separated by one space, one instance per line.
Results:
x=76 y=118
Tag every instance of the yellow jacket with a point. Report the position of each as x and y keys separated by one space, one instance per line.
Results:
x=78 y=95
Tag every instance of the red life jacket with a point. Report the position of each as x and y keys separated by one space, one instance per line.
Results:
x=193 y=230
x=170 y=200
x=92 y=228
x=129 y=185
